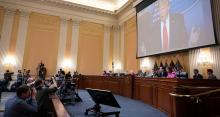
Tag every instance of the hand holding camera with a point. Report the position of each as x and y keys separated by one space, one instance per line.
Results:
x=33 y=92
x=54 y=84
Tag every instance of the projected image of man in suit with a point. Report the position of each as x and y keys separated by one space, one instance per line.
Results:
x=170 y=27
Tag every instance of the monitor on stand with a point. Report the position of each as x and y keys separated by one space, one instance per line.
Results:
x=102 y=97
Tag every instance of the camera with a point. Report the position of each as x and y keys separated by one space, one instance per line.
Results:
x=31 y=84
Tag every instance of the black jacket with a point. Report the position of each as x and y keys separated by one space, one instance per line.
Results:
x=43 y=100
x=198 y=77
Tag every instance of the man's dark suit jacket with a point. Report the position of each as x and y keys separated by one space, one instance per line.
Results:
x=43 y=101
x=163 y=74
x=198 y=77
x=17 y=107
x=178 y=37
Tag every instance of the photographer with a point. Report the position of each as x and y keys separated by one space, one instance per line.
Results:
x=26 y=75
x=42 y=71
x=23 y=104
x=44 y=103
x=19 y=78
x=7 y=78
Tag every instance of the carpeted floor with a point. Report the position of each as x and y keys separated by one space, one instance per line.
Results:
x=129 y=107
x=5 y=96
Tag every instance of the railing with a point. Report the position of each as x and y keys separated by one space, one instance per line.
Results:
x=59 y=107
x=198 y=95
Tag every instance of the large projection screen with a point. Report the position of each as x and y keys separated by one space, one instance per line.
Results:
x=172 y=25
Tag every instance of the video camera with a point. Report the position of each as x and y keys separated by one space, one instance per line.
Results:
x=10 y=73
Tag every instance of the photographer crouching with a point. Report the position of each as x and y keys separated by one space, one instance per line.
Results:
x=23 y=104
x=43 y=100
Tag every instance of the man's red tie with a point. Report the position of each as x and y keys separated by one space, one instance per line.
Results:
x=165 y=37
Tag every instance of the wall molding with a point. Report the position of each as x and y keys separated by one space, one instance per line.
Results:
x=128 y=15
x=71 y=11
x=60 y=10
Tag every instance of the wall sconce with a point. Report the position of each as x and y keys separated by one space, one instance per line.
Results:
x=9 y=62
x=145 y=64
x=117 y=67
x=67 y=64
x=204 y=59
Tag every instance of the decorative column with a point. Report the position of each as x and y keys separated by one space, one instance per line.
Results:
x=6 y=35
x=106 y=47
x=62 y=42
x=122 y=46
x=21 y=39
x=116 y=50
x=116 y=43
x=74 y=41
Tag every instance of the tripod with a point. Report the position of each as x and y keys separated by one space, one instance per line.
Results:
x=97 y=109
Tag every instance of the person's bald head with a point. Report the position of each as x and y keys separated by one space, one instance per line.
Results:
x=163 y=9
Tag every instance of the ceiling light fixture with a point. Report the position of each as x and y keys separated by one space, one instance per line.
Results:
x=101 y=4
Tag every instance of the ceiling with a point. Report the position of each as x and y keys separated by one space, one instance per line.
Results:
x=110 y=5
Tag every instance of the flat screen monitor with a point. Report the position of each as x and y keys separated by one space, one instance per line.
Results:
x=172 y=25
x=103 y=97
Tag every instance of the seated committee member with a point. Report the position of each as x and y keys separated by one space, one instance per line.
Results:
x=24 y=104
x=197 y=75
x=43 y=101
x=163 y=72
x=171 y=73
x=105 y=73
x=211 y=76
x=140 y=73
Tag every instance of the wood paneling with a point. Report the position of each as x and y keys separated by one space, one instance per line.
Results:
x=121 y=85
x=153 y=91
x=146 y=97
